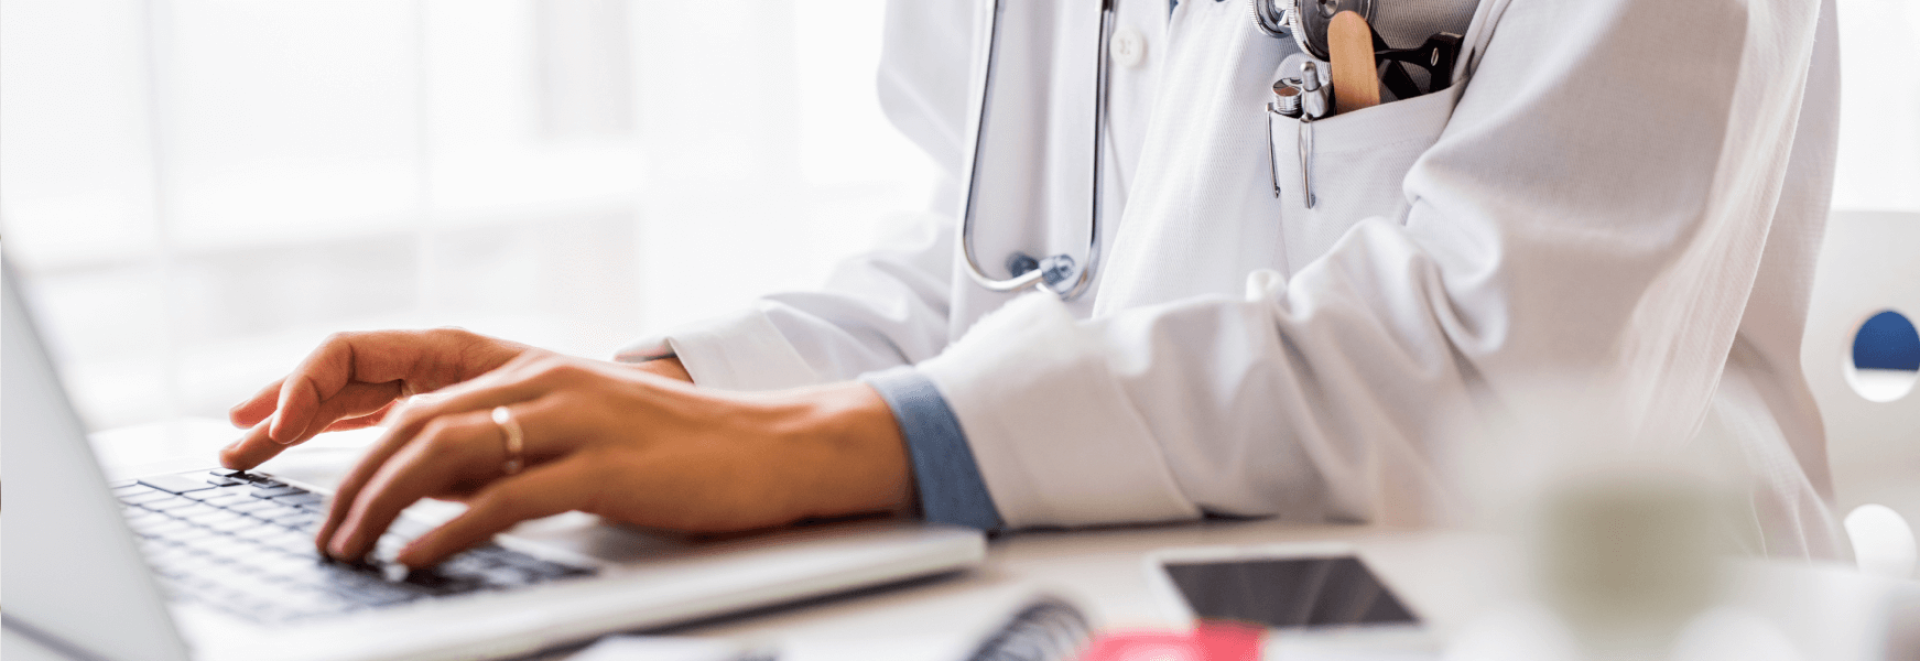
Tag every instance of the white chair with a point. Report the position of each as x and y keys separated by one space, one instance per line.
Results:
x=1869 y=263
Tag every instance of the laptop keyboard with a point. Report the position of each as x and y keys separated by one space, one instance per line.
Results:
x=243 y=543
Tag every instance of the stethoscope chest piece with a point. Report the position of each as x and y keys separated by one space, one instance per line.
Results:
x=1311 y=17
x=1053 y=270
x=1304 y=20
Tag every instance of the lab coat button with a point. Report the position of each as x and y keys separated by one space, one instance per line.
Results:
x=1129 y=47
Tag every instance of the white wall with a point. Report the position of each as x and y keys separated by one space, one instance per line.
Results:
x=1879 y=159
x=200 y=190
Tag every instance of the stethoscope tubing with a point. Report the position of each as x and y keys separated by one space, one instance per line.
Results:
x=1067 y=287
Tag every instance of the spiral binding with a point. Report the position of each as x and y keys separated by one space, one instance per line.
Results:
x=1046 y=630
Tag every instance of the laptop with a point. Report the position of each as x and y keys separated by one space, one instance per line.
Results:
x=217 y=564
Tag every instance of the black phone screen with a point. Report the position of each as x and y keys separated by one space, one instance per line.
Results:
x=1288 y=593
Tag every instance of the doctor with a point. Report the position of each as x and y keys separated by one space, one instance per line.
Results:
x=1631 y=191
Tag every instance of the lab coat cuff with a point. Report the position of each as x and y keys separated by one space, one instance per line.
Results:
x=1056 y=440
x=740 y=351
x=944 y=473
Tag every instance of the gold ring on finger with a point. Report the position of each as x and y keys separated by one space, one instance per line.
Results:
x=515 y=437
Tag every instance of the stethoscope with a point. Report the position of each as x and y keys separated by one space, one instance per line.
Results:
x=1060 y=273
x=1305 y=20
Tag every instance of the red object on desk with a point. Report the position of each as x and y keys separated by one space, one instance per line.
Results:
x=1208 y=642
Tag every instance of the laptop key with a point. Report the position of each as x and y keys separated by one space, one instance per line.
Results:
x=177 y=483
x=160 y=527
x=256 y=532
x=296 y=599
x=227 y=496
x=464 y=564
x=261 y=491
x=379 y=592
x=144 y=495
x=196 y=510
x=254 y=505
x=275 y=509
x=224 y=553
x=286 y=540
x=443 y=583
x=296 y=519
x=168 y=503
x=233 y=525
x=139 y=517
x=211 y=515
x=303 y=550
x=189 y=535
x=282 y=566
x=220 y=492
x=301 y=499
x=507 y=577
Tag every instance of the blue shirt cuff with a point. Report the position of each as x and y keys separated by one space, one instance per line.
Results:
x=944 y=471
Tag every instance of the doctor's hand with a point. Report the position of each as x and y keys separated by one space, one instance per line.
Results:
x=354 y=379
x=622 y=443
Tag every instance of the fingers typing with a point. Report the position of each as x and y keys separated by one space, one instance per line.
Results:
x=353 y=401
x=253 y=448
x=359 y=402
x=361 y=422
x=346 y=358
x=408 y=421
x=435 y=447
x=541 y=491
x=449 y=450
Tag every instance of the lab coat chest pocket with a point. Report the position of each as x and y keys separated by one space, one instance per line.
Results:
x=1355 y=164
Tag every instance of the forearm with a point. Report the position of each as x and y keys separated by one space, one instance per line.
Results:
x=846 y=453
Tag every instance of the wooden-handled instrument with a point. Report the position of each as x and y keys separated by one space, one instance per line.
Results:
x=1356 y=76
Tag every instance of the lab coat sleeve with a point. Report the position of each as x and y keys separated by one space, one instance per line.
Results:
x=1596 y=206
x=883 y=309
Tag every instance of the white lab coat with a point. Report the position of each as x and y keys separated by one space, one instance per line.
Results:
x=1628 y=190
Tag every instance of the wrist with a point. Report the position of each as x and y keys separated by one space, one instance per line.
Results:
x=855 y=452
x=667 y=366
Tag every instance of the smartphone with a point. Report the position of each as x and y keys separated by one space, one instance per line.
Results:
x=1288 y=593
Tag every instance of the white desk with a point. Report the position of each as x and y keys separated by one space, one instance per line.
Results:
x=1447 y=578
x=1104 y=572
